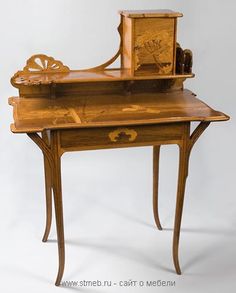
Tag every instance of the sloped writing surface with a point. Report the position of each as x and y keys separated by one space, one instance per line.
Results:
x=34 y=114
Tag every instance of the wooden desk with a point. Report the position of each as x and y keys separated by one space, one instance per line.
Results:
x=72 y=124
x=63 y=110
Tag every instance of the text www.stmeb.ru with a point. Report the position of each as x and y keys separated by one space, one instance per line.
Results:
x=123 y=283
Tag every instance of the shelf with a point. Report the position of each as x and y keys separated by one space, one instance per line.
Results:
x=78 y=76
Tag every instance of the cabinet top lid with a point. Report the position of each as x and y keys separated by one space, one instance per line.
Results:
x=150 y=13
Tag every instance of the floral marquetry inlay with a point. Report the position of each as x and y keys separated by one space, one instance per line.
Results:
x=140 y=109
x=121 y=134
x=44 y=63
x=154 y=48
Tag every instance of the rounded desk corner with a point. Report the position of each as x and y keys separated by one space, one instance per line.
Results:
x=14 y=78
x=13 y=128
x=227 y=117
x=11 y=101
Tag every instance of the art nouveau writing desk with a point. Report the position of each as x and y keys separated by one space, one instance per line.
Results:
x=140 y=104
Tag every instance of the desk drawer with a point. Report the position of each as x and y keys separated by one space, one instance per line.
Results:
x=124 y=136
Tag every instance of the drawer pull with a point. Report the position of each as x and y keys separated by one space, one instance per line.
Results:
x=120 y=133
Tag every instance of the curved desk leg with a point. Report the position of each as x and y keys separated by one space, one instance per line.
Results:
x=52 y=153
x=57 y=192
x=156 y=157
x=185 y=150
x=48 y=191
x=183 y=168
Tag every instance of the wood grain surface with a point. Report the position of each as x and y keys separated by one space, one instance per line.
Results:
x=33 y=115
x=151 y=13
x=80 y=76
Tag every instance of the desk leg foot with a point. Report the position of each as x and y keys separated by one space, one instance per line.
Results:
x=57 y=192
x=183 y=171
x=156 y=157
x=48 y=190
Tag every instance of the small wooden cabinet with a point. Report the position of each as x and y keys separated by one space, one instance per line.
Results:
x=149 y=41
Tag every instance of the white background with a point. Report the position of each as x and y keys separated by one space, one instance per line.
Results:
x=109 y=227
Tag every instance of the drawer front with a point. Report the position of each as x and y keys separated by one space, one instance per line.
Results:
x=112 y=137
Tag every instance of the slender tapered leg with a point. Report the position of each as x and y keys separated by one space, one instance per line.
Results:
x=156 y=157
x=53 y=155
x=183 y=170
x=48 y=191
x=185 y=150
x=57 y=192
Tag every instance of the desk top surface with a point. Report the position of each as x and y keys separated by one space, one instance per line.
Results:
x=38 y=114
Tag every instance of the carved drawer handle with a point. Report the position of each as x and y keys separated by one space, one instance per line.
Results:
x=119 y=133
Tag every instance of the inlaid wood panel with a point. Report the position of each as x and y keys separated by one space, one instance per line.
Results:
x=154 y=45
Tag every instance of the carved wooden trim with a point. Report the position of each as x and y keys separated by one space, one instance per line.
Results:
x=117 y=134
x=39 y=63
x=197 y=133
x=45 y=148
x=184 y=60
x=44 y=63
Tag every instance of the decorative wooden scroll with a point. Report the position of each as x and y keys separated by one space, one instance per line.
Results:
x=113 y=59
x=39 y=63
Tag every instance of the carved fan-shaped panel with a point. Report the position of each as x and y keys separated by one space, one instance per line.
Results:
x=44 y=63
